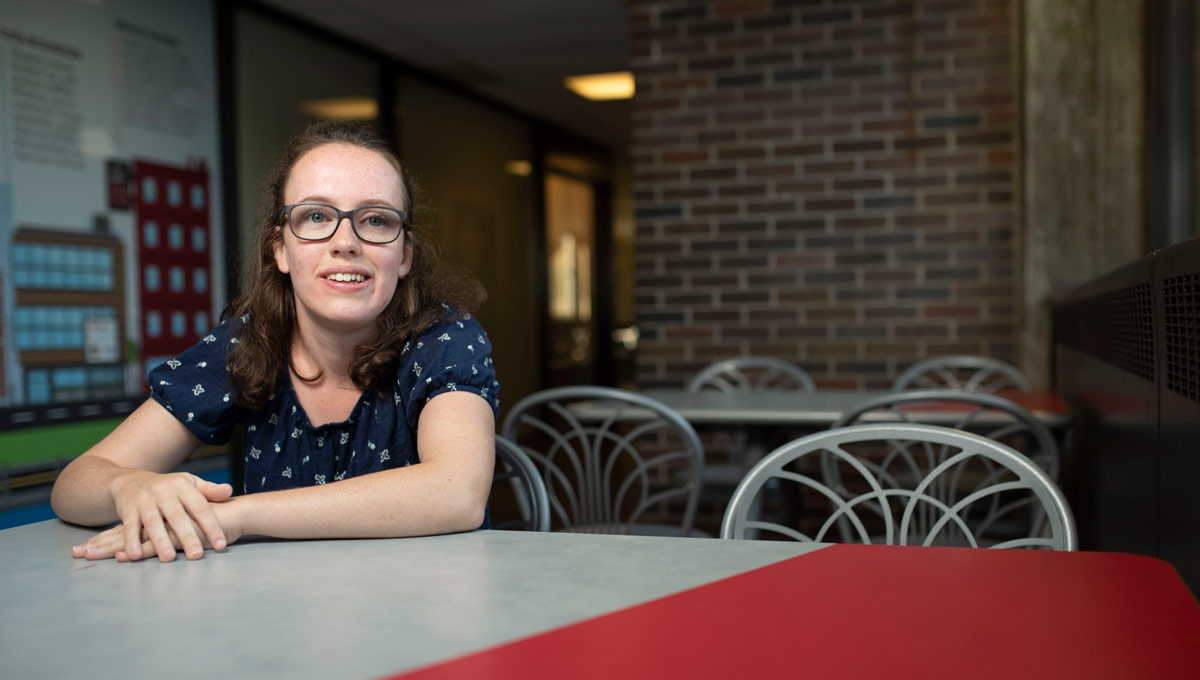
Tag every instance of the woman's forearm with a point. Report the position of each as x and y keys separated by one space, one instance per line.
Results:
x=421 y=499
x=82 y=493
x=149 y=441
x=446 y=492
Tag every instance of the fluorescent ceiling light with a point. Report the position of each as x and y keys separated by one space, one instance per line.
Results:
x=341 y=108
x=601 y=86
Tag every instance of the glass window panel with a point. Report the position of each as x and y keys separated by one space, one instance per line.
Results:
x=149 y=190
x=174 y=193
x=177 y=279
x=150 y=234
x=487 y=210
x=153 y=324
x=175 y=237
x=153 y=281
x=178 y=324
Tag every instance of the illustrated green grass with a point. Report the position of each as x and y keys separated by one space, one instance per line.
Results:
x=37 y=444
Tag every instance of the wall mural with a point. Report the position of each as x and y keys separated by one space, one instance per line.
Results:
x=111 y=257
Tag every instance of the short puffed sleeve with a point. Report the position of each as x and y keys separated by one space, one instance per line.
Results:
x=453 y=355
x=196 y=389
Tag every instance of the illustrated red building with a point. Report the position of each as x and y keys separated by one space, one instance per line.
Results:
x=174 y=261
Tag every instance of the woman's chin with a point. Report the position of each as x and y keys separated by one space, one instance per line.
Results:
x=348 y=321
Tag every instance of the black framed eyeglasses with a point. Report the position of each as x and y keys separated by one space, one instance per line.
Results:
x=319 y=221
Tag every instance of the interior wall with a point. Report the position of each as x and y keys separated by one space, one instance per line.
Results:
x=1082 y=154
x=832 y=183
x=457 y=151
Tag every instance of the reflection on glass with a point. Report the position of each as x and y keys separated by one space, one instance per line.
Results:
x=569 y=234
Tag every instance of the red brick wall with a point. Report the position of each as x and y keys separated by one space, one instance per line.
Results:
x=825 y=181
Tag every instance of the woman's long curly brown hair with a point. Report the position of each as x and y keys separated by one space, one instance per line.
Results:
x=262 y=354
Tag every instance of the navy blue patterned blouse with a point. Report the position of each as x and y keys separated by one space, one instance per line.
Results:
x=283 y=449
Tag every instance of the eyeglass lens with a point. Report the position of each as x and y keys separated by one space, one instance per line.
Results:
x=317 y=222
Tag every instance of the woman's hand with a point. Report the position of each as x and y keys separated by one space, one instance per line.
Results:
x=111 y=542
x=159 y=514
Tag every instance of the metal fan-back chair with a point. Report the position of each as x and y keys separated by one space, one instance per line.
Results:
x=751 y=374
x=962 y=373
x=941 y=508
x=517 y=479
x=613 y=461
x=731 y=449
x=991 y=416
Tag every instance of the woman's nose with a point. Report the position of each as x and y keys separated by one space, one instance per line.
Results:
x=344 y=238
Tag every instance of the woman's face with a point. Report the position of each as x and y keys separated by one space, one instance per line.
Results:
x=342 y=284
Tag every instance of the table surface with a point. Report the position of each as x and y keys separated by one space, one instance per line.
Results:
x=823 y=407
x=525 y=605
x=327 y=609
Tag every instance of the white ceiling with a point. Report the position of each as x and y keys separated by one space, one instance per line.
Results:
x=515 y=52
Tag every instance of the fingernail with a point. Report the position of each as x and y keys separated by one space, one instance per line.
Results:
x=220 y=544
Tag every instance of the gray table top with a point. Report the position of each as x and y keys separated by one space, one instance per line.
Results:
x=345 y=608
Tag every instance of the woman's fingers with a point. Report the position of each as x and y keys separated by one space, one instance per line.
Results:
x=122 y=556
x=180 y=507
x=201 y=512
x=133 y=535
x=101 y=546
x=189 y=509
x=214 y=492
x=156 y=532
x=183 y=529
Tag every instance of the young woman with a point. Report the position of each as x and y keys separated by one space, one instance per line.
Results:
x=351 y=358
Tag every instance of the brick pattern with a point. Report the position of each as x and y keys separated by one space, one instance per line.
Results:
x=830 y=182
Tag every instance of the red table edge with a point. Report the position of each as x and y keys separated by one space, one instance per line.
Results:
x=503 y=658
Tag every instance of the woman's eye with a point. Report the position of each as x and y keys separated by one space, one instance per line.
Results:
x=374 y=221
x=315 y=217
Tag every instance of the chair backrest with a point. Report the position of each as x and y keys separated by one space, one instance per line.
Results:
x=751 y=374
x=962 y=373
x=973 y=473
x=611 y=459
x=991 y=416
x=517 y=473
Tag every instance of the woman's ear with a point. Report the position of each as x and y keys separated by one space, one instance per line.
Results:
x=406 y=262
x=280 y=254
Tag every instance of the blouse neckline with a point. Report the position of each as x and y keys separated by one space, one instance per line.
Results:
x=293 y=397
